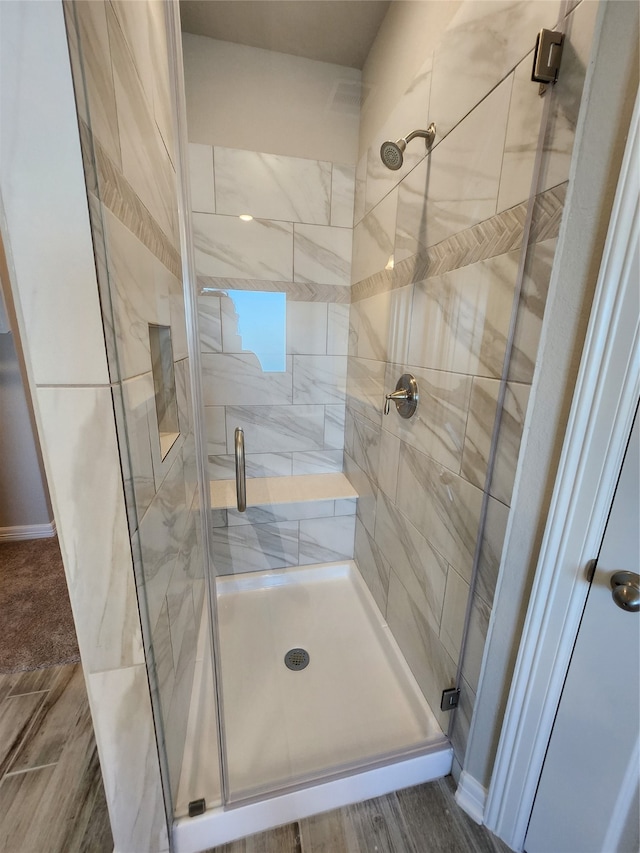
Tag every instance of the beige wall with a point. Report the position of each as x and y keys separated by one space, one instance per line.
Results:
x=24 y=500
x=260 y=100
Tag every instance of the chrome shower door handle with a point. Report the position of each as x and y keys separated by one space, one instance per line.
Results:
x=241 y=479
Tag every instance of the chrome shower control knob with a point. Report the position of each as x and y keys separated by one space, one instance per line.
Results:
x=405 y=396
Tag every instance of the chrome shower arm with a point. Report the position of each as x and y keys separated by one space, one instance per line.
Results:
x=429 y=134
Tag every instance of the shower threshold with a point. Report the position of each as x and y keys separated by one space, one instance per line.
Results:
x=351 y=725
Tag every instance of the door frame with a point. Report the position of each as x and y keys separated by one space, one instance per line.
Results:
x=604 y=404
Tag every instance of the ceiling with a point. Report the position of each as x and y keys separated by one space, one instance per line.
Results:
x=338 y=31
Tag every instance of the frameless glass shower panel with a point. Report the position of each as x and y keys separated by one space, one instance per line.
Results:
x=128 y=146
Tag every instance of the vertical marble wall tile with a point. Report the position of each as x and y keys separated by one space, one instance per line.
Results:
x=432 y=667
x=128 y=751
x=99 y=111
x=388 y=463
x=139 y=296
x=270 y=513
x=161 y=534
x=209 y=323
x=161 y=81
x=255 y=547
x=564 y=115
x=334 y=417
x=481 y=44
x=372 y=565
x=276 y=429
x=326 y=539
x=227 y=247
x=362 y=442
x=525 y=113
x=216 y=430
x=453 y=613
x=78 y=438
x=337 y=329
x=360 y=189
x=460 y=320
x=491 y=552
x=457 y=185
x=438 y=426
x=343 y=179
x=443 y=506
x=367 y=493
x=478 y=628
x=201 y=178
x=145 y=161
x=257 y=465
x=372 y=317
x=319 y=379
x=138 y=399
x=322 y=255
x=415 y=561
x=231 y=378
x=306 y=328
x=462 y=724
x=163 y=659
x=365 y=387
x=531 y=310
x=317 y=462
x=271 y=186
x=411 y=112
x=477 y=443
x=374 y=238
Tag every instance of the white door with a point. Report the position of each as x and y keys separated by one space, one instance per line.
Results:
x=587 y=798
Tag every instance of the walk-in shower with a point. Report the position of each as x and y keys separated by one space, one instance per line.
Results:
x=304 y=562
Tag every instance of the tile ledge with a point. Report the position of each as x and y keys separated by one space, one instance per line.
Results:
x=283 y=490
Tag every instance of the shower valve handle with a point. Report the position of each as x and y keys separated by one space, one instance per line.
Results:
x=402 y=394
x=405 y=396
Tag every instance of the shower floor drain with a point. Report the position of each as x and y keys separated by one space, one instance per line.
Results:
x=296 y=659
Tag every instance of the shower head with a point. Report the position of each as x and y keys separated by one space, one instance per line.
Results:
x=391 y=153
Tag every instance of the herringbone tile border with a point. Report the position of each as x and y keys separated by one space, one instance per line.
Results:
x=495 y=236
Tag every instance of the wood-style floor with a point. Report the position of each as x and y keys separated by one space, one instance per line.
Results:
x=51 y=794
x=423 y=819
x=52 y=799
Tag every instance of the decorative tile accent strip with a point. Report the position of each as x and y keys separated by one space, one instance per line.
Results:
x=296 y=291
x=495 y=236
x=117 y=194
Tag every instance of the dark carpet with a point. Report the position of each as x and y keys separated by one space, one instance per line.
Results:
x=36 y=625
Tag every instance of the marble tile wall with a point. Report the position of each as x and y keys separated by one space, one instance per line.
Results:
x=435 y=258
x=120 y=68
x=291 y=409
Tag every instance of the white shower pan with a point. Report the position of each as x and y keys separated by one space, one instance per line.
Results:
x=351 y=725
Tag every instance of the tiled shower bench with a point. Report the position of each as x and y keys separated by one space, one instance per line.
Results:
x=289 y=521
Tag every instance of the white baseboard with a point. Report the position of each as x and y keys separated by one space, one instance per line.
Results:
x=27 y=531
x=471 y=797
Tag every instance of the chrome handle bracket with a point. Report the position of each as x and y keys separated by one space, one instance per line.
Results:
x=241 y=479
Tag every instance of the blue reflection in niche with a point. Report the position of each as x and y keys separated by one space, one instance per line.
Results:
x=262 y=325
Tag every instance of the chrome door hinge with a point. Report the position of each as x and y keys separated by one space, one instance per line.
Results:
x=547 y=57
